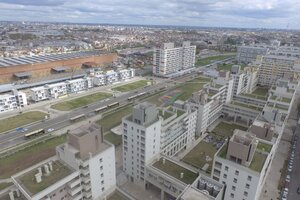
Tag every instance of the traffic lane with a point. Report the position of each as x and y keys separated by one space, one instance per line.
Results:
x=63 y=120
x=295 y=181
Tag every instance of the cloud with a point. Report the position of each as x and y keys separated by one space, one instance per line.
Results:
x=237 y=13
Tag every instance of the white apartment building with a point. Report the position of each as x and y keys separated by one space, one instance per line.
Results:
x=83 y=168
x=170 y=59
x=15 y=100
x=141 y=140
x=56 y=90
x=76 y=85
x=248 y=54
x=126 y=74
x=99 y=80
x=209 y=102
x=240 y=80
x=39 y=93
x=242 y=164
x=251 y=78
x=274 y=67
x=111 y=77
x=178 y=128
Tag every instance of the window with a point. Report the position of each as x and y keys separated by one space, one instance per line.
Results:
x=236 y=172
x=101 y=160
x=102 y=189
x=246 y=194
x=235 y=180
x=224 y=175
x=102 y=182
x=232 y=195
x=101 y=175
x=247 y=186
x=249 y=178
x=226 y=168
x=101 y=167
x=233 y=188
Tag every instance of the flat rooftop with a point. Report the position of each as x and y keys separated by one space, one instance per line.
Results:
x=174 y=170
x=259 y=93
x=24 y=60
x=28 y=181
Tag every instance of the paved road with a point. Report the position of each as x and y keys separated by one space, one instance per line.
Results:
x=295 y=175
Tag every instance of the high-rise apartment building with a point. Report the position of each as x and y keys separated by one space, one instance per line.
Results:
x=141 y=140
x=170 y=59
x=247 y=54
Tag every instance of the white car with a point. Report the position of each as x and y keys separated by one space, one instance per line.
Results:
x=50 y=130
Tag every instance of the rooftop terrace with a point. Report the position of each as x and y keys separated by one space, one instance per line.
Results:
x=249 y=106
x=175 y=170
x=259 y=93
x=32 y=187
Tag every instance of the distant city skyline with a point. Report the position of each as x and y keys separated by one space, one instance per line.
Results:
x=279 y=14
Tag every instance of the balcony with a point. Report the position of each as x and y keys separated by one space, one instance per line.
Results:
x=78 y=197
x=74 y=183
x=85 y=172
x=86 y=180
x=73 y=192
x=88 y=195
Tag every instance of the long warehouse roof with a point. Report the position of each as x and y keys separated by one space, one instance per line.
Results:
x=8 y=62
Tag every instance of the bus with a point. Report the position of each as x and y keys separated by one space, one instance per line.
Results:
x=34 y=133
x=100 y=109
x=76 y=118
x=136 y=96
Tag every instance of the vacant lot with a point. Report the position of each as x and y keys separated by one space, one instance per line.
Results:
x=208 y=60
x=29 y=156
x=131 y=86
x=81 y=101
x=20 y=120
x=113 y=138
x=114 y=118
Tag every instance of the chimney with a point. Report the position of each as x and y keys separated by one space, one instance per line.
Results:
x=38 y=177
x=46 y=168
x=11 y=195
x=50 y=166
x=181 y=175
x=164 y=161
x=40 y=170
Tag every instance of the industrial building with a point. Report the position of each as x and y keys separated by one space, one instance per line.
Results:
x=12 y=69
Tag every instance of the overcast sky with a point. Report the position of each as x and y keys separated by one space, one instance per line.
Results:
x=217 y=13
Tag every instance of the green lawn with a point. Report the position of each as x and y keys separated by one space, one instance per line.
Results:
x=264 y=147
x=113 y=138
x=197 y=156
x=225 y=67
x=131 y=86
x=261 y=91
x=117 y=196
x=192 y=86
x=20 y=120
x=154 y=99
x=81 y=101
x=174 y=170
x=258 y=161
x=59 y=171
x=208 y=60
x=5 y=185
x=225 y=130
x=29 y=156
x=247 y=106
x=114 y=118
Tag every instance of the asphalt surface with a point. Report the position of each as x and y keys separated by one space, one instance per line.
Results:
x=295 y=174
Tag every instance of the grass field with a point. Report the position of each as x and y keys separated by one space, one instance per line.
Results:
x=208 y=60
x=113 y=138
x=197 y=156
x=226 y=130
x=81 y=101
x=174 y=170
x=192 y=86
x=20 y=120
x=114 y=118
x=131 y=86
x=29 y=156
x=4 y=185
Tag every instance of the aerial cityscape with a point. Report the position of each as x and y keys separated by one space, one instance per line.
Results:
x=149 y=100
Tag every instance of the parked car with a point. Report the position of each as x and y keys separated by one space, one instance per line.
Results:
x=50 y=130
x=288 y=178
x=298 y=190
